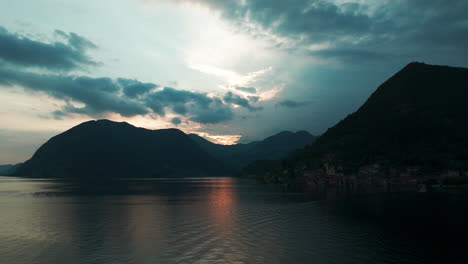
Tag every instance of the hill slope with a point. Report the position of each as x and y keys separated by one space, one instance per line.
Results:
x=100 y=149
x=272 y=148
x=8 y=169
x=417 y=117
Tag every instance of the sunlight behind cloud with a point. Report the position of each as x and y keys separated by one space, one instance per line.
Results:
x=232 y=78
x=215 y=43
x=220 y=139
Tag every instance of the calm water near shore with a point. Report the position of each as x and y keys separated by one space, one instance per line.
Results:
x=224 y=220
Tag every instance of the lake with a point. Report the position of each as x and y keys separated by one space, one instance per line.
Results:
x=224 y=220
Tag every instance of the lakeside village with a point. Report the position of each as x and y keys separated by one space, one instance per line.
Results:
x=372 y=175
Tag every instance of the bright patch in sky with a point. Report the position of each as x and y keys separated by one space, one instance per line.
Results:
x=220 y=139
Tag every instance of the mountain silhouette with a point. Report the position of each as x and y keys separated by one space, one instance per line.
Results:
x=274 y=147
x=103 y=149
x=416 y=118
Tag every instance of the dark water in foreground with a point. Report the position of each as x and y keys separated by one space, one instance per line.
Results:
x=224 y=220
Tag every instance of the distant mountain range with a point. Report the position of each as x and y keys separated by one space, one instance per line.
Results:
x=271 y=148
x=417 y=118
x=106 y=149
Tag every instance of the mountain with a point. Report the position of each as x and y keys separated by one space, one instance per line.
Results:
x=4 y=169
x=104 y=149
x=8 y=169
x=272 y=148
x=416 y=118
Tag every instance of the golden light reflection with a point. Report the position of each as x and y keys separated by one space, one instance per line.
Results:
x=222 y=201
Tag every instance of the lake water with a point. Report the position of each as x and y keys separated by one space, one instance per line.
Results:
x=224 y=220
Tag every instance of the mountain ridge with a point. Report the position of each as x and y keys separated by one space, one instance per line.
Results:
x=105 y=148
x=108 y=149
x=274 y=147
x=415 y=119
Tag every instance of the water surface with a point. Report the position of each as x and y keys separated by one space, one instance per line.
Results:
x=224 y=220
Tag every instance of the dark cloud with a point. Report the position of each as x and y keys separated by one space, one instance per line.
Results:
x=292 y=103
x=352 y=55
x=204 y=109
x=179 y=109
x=306 y=21
x=218 y=113
x=253 y=99
x=176 y=99
x=231 y=98
x=100 y=96
x=356 y=32
x=76 y=41
x=22 y=51
x=176 y=121
x=246 y=89
x=134 y=88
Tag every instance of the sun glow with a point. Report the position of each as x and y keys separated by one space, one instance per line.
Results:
x=220 y=139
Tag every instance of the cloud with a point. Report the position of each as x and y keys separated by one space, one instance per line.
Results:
x=201 y=107
x=176 y=121
x=57 y=115
x=92 y=96
x=311 y=21
x=218 y=113
x=176 y=99
x=246 y=89
x=134 y=88
x=99 y=96
x=354 y=31
x=233 y=78
x=352 y=55
x=76 y=41
x=253 y=99
x=179 y=109
x=240 y=101
x=22 y=51
x=292 y=103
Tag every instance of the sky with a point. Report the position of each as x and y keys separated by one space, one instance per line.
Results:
x=229 y=70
